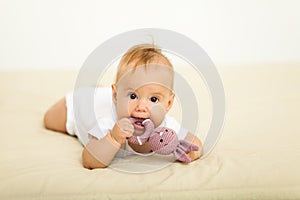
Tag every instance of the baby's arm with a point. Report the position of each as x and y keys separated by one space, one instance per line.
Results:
x=99 y=153
x=196 y=141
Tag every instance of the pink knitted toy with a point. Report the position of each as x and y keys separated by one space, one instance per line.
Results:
x=163 y=140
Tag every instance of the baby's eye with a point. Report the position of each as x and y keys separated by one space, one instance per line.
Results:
x=132 y=96
x=154 y=99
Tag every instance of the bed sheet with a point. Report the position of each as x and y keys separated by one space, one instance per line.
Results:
x=257 y=156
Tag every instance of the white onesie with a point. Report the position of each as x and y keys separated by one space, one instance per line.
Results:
x=106 y=117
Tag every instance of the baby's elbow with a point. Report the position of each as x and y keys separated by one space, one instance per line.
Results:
x=89 y=162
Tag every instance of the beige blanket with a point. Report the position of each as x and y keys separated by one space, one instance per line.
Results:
x=257 y=156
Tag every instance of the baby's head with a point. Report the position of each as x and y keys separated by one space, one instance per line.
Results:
x=144 y=85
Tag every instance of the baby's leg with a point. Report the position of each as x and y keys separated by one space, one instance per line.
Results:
x=55 y=118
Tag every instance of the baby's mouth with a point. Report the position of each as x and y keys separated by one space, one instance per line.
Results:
x=137 y=123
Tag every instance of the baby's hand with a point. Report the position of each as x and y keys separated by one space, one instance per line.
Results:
x=122 y=130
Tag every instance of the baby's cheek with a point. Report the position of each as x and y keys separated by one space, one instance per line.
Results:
x=157 y=114
x=123 y=108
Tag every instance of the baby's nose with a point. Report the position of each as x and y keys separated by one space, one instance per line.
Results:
x=142 y=106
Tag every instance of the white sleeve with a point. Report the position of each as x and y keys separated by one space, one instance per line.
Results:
x=103 y=126
x=173 y=124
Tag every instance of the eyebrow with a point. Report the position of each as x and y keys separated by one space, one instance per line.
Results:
x=154 y=93
x=158 y=94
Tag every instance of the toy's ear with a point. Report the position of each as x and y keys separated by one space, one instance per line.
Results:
x=182 y=149
x=187 y=146
x=181 y=155
x=140 y=140
x=149 y=126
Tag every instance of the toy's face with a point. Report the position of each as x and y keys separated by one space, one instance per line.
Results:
x=163 y=141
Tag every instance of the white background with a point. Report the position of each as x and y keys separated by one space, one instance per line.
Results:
x=54 y=34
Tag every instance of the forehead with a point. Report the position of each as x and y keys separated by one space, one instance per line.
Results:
x=152 y=88
x=159 y=77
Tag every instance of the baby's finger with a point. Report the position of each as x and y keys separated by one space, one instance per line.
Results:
x=126 y=127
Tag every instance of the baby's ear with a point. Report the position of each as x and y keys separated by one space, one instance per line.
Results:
x=170 y=102
x=114 y=93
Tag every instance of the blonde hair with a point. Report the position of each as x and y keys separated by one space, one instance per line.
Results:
x=138 y=55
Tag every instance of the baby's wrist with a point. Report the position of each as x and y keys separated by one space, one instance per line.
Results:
x=111 y=138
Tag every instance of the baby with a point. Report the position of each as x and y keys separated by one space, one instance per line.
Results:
x=143 y=90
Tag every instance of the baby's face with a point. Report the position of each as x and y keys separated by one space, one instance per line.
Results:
x=144 y=94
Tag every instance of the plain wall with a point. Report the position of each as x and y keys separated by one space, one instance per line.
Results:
x=62 y=33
